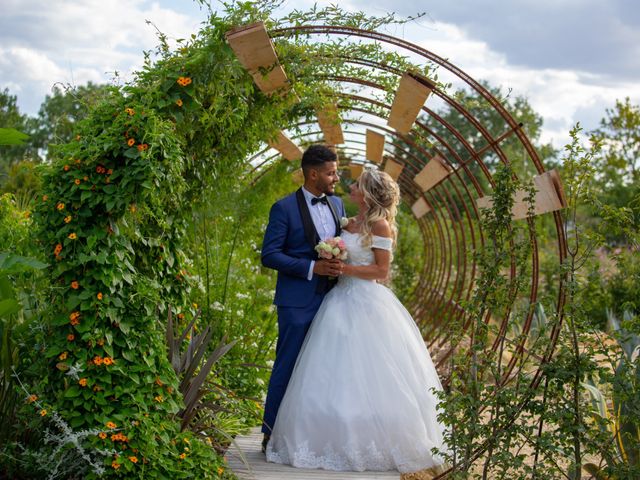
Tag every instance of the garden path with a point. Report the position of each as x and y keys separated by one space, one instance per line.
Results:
x=259 y=469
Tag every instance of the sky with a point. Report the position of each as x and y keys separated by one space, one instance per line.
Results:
x=571 y=58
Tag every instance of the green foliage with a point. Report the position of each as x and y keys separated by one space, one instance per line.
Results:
x=11 y=122
x=11 y=136
x=60 y=112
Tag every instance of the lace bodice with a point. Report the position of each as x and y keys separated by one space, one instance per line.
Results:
x=359 y=254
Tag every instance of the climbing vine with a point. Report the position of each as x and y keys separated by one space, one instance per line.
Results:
x=112 y=220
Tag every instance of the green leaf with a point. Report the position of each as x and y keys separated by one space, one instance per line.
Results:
x=77 y=422
x=73 y=391
x=11 y=263
x=125 y=327
x=11 y=136
x=9 y=307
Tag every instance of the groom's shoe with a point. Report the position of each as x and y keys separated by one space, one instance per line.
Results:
x=265 y=440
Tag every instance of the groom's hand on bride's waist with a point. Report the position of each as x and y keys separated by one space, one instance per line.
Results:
x=329 y=268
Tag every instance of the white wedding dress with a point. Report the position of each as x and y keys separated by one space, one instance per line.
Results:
x=360 y=396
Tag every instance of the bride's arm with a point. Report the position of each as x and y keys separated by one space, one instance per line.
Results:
x=379 y=270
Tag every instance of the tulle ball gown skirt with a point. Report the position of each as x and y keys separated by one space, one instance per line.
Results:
x=360 y=396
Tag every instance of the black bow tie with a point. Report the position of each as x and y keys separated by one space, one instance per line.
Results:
x=323 y=199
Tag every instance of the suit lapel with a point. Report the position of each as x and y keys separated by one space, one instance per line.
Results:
x=335 y=216
x=307 y=223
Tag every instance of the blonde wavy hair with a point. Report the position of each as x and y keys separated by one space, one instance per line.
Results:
x=381 y=195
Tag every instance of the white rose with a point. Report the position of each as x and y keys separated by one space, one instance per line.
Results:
x=344 y=221
x=335 y=251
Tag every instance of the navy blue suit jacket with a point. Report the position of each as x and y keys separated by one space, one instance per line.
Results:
x=288 y=247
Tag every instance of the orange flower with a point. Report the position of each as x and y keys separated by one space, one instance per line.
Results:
x=181 y=316
x=66 y=168
x=67 y=219
x=99 y=296
x=110 y=171
x=98 y=361
x=27 y=214
x=220 y=470
x=142 y=147
x=179 y=102
x=73 y=236
x=100 y=341
x=60 y=206
x=85 y=178
x=62 y=356
x=78 y=137
x=183 y=456
x=115 y=465
x=75 y=321
x=102 y=435
x=184 y=81
x=111 y=425
x=158 y=382
x=77 y=181
x=108 y=361
x=45 y=198
x=83 y=382
x=43 y=412
x=58 y=249
x=75 y=285
x=74 y=315
x=169 y=390
x=134 y=459
x=32 y=398
x=159 y=399
x=100 y=169
x=130 y=111
x=78 y=161
x=71 y=337
x=131 y=142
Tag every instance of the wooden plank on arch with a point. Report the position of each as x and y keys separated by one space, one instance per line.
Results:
x=254 y=48
x=393 y=168
x=375 y=146
x=433 y=173
x=412 y=92
x=286 y=147
x=329 y=121
x=420 y=208
x=355 y=169
x=549 y=197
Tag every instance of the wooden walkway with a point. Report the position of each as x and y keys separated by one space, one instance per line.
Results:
x=257 y=468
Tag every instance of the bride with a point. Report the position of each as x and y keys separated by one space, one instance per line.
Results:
x=361 y=394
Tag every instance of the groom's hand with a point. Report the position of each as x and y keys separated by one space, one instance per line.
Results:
x=329 y=268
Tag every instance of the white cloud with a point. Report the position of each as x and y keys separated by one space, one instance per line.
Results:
x=559 y=96
x=74 y=42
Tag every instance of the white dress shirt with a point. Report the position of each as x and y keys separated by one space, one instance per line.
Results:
x=323 y=221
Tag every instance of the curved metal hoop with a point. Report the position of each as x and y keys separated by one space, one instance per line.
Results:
x=451 y=230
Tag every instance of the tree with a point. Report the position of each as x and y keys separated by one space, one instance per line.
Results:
x=10 y=117
x=618 y=165
x=619 y=133
x=60 y=112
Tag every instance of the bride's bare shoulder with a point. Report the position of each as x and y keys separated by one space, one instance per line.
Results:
x=381 y=228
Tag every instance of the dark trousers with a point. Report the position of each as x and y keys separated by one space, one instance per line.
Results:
x=293 y=324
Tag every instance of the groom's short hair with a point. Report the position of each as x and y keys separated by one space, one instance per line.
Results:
x=315 y=156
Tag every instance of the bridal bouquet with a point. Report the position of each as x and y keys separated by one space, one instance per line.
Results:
x=332 y=248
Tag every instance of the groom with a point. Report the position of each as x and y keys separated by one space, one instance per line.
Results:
x=296 y=224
